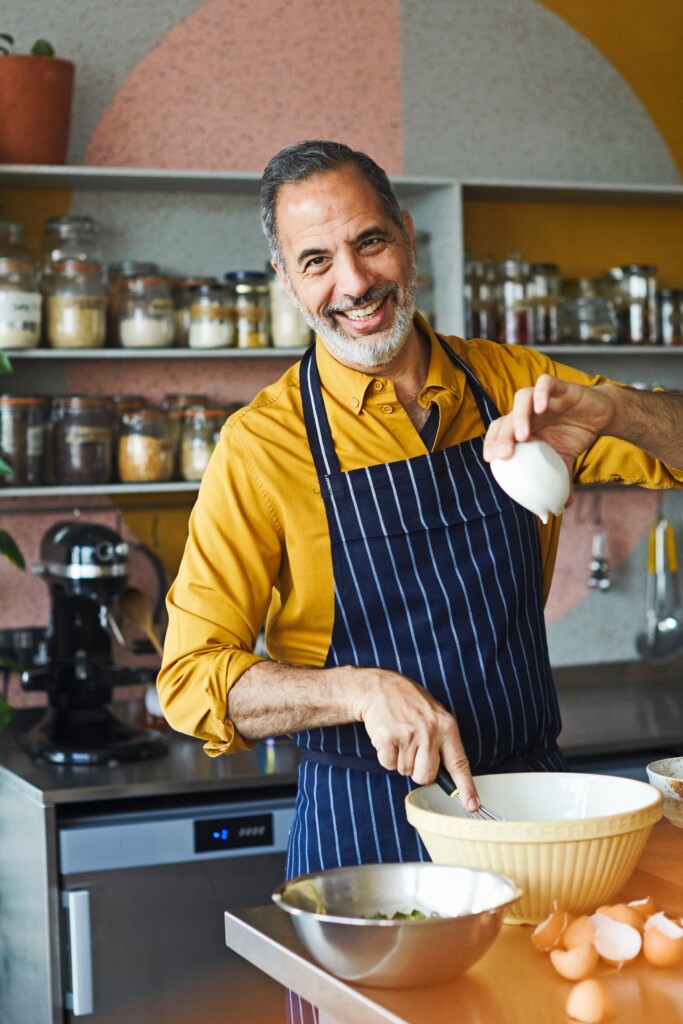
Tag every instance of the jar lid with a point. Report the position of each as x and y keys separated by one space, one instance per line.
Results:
x=640 y=269
x=181 y=401
x=247 y=280
x=544 y=268
x=671 y=293
x=131 y=268
x=140 y=281
x=22 y=400
x=83 y=401
x=186 y=283
x=72 y=224
x=16 y=263
x=70 y=265
x=149 y=412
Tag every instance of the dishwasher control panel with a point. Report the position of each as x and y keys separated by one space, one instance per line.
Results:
x=172 y=837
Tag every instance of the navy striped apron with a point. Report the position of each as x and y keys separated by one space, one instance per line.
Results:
x=437 y=576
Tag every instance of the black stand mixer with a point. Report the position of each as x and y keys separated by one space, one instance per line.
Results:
x=85 y=566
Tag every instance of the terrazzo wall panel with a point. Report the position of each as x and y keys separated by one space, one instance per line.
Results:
x=461 y=88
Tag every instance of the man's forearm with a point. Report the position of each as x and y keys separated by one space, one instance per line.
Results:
x=651 y=420
x=272 y=699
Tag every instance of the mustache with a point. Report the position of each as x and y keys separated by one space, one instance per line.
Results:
x=377 y=292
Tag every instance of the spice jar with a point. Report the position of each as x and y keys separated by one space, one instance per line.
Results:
x=637 y=309
x=288 y=328
x=72 y=237
x=22 y=439
x=20 y=304
x=543 y=297
x=181 y=293
x=251 y=303
x=480 y=299
x=75 y=304
x=145 y=449
x=173 y=406
x=145 y=312
x=81 y=440
x=670 y=306
x=212 y=323
x=116 y=272
x=201 y=429
x=512 y=301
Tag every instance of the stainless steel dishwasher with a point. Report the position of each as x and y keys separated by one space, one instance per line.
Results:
x=142 y=901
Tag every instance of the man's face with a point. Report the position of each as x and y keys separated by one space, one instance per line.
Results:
x=349 y=268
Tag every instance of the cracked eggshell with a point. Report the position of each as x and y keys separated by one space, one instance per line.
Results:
x=536 y=477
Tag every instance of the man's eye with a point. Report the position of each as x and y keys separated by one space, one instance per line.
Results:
x=315 y=263
x=372 y=243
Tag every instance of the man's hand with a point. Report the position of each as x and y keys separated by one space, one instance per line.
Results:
x=411 y=732
x=567 y=416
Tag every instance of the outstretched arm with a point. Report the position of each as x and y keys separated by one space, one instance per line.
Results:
x=571 y=416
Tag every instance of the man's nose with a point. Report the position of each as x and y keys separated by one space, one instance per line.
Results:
x=353 y=277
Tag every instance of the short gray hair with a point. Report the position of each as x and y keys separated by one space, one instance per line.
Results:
x=318 y=156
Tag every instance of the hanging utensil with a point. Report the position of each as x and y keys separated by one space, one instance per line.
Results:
x=663 y=639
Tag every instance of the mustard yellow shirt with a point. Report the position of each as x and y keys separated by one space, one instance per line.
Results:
x=258 y=548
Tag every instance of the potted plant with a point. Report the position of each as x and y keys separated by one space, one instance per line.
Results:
x=9 y=551
x=36 y=92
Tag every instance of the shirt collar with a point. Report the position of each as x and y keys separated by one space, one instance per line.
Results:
x=350 y=386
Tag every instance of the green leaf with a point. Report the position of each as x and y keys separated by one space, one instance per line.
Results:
x=8 y=39
x=41 y=48
x=10 y=551
x=9 y=664
x=5 y=468
x=5 y=365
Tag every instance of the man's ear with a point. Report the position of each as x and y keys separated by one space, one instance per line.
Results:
x=410 y=230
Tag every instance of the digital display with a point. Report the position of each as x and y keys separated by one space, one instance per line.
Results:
x=212 y=834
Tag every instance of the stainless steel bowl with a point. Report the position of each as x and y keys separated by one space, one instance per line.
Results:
x=333 y=914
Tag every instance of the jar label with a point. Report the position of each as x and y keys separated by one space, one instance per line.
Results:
x=20 y=311
x=160 y=307
x=87 y=435
x=34 y=441
x=198 y=311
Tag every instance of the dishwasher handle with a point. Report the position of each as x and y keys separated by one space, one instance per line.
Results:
x=77 y=904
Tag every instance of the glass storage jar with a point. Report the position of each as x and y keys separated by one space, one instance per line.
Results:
x=121 y=404
x=181 y=293
x=81 y=440
x=480 y=299
x=212 y=317
x=637 y=309
x=543 y=297
x=75 y=304
x=173 y=405
x=670 y=307
x=251 y=300
x=288 y=329
x=145 y=312
x=116 y=272
x=12 y=240
x=21 y=304
x=201 y=429
x=22 y=439
x=145 y=449
x=425 y=279
x=587 y=314
x=512 y=301
x=72 y=237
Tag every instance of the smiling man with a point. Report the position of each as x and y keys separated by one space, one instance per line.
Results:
x=350 y=511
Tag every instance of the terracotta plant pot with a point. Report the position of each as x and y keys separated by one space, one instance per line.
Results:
x=35 y=108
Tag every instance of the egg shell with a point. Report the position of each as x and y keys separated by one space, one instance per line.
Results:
x=662 y=941
x=548 y=933
x=579 y=931
x=617 y=943
x=576 y=963
x=646 y=906
x=590 y=1001
x=624 y=913
x=536 y=477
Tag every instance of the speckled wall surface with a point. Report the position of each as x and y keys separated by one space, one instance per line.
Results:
x=484 y=88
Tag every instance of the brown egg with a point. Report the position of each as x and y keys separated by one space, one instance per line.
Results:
x=548 y=933
x=590 y=1001
x=645 y=907
x=662 y=941
x=576 y=963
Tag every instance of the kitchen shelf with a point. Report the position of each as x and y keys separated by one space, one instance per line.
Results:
x=95 y=354
x=599 y=194
x=110 y=490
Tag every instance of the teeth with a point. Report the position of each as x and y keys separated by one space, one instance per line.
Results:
x=361 y=314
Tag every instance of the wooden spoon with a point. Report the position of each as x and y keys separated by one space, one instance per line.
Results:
x=138 y=609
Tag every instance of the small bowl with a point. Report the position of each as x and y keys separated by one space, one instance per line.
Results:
x=332 y=912
x=667 y=776
x=568 y=838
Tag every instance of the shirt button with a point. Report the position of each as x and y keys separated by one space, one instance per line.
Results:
x=387 y=408
x=378 y=386
x=355 y=403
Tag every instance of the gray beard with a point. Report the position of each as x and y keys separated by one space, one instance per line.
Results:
x=375 y=350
